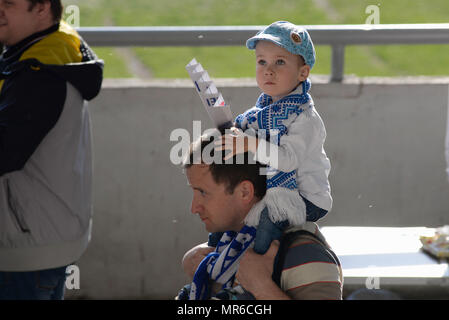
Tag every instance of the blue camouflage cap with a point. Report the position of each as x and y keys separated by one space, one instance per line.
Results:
x=292 y=38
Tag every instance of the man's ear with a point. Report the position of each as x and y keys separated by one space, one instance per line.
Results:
x=245 y=191
x=303 y=72
x=43 y=9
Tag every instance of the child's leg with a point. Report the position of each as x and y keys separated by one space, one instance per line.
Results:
x=214 y=238
x=313 y=213
x=267 y=231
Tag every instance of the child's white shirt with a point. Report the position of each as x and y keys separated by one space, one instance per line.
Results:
x=302 y=149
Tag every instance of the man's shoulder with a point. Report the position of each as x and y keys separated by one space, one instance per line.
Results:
x=36 y=82
x=310 y=266
x=57 y=48
x=308 y=248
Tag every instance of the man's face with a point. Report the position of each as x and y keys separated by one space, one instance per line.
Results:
x=16 y=21
x=219 y=210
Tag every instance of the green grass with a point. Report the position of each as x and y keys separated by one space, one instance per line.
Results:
x=395 y=60
x=392 y=60
x=393 y=11
x=169 y=63
x=115 y=66
x=208 y=12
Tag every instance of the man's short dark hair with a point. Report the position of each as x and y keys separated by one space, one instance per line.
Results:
x=56 y=8
x=231 y=173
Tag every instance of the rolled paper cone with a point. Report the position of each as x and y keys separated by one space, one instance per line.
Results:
x=216 y=107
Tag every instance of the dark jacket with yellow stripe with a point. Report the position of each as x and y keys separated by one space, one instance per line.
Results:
x=45 y=149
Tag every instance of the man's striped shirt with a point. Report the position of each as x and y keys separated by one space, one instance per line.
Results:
x=311 y=270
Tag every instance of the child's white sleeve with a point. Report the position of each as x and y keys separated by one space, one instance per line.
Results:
x=305 y=134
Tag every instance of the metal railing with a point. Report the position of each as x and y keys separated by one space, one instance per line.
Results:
x=336 y=36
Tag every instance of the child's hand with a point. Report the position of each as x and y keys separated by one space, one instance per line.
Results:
x=237 y=142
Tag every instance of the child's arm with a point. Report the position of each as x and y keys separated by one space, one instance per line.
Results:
x=304 y=134
x=237 y=142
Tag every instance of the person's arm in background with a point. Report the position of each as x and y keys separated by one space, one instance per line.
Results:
x=32 y=104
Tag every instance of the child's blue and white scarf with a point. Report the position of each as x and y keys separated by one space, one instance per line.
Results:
x=268 y=119
x=282 y=198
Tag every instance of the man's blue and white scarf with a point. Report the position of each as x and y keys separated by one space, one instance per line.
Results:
x=268 y=119
x=222 y=264
x=282 y=198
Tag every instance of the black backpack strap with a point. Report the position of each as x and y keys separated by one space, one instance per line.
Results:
x=286 y=240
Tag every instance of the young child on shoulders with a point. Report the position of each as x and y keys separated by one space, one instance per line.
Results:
x=285 y=132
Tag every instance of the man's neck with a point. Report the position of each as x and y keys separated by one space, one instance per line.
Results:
x=20 y=46
x=254 y=209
